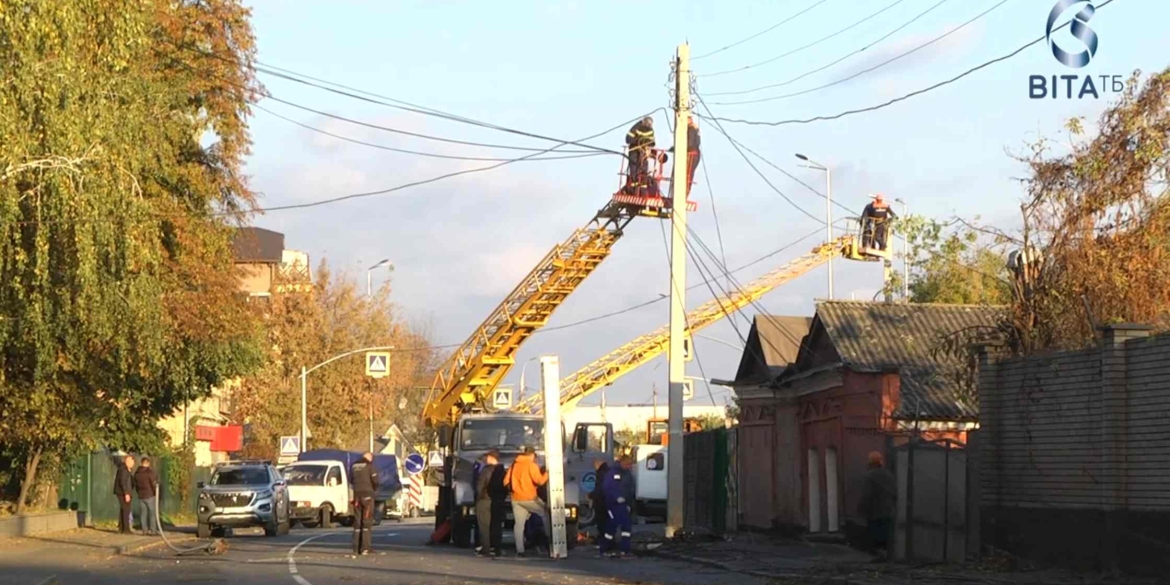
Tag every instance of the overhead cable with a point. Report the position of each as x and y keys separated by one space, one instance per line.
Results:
x=803 y=47
x=906 y=96
x=763 y=32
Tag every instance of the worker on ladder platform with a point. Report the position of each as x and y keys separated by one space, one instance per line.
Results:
x=692 y=151
x=875 y=222
x=639 y=144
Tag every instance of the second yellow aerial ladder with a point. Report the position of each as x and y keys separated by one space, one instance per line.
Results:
x=625 y=359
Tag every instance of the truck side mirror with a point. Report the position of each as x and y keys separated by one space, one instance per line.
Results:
x=445 y=436
x=199 y=485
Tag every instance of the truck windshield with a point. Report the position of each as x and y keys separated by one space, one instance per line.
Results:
x=305 y=475
x=501 y=433
x=240 y=476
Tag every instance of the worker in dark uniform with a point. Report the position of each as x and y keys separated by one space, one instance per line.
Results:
x=498 y=492
x=692 y=151
x=597 y=496
x=878 y=504
x=365 y=484
x=875 y=222
x=639 y=144
x=619 y=522
x=123 y=487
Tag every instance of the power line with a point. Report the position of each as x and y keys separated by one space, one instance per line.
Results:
x=874 y=68
x=415 y=152
x=867 y=47
x=809 y=45
x=763 y=32
x=749 y=162
x=909 y=95
x=437 y=178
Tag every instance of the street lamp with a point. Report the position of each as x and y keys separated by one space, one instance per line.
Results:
x=369 y=277
x=812 y=164
x=905 y=255
x=304 y=388
x=720 y=341
x=524 y=369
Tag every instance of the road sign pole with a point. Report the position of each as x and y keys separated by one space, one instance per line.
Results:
x=554 y=458
x=304 y=413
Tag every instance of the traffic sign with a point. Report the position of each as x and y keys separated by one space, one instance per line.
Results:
x=502 y=398
x=290 y=446
x=435 y=459
x=414 y=463
x=377 y=364
x=688 y=389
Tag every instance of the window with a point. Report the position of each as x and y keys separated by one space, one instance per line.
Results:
x=334 y=477
x=240 y=476
x=501 y=433
x=305 y=475
x=591 y=439
x=656 y=462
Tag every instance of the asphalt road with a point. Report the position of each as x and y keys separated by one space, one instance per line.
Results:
x=323 y=557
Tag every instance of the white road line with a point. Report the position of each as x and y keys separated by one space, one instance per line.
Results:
x=292 y=563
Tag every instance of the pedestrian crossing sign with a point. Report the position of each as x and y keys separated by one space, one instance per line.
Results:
x=290 y=446
x=502 y=398
x=377 y=364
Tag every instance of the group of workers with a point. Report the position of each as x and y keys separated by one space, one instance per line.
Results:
x=613 y=500
x=640 y=150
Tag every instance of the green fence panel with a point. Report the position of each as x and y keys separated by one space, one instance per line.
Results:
x=719 y=483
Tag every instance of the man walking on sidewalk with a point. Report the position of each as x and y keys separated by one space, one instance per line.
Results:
x=146 y=484
x=490 y=528
x=365 y=485
x=525 y=477
x=123 y=487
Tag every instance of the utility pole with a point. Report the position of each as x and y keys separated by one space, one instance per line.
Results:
x=829 y=222
x=678 y=286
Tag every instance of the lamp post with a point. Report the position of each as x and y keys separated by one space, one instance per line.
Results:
x=370 y=271
x=905 y=256
x=812 y=164
x=717 y=340
x=523 y=370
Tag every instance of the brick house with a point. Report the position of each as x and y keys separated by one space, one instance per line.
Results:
x=864 y=375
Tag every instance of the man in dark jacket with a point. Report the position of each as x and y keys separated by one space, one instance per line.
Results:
x=877 y=505
x=597 y=496
x=639 y=144
x=146 y=484
x=365 y=484
x=619 y=523
x=875 y=220
x=123 y=488
x=490 y=528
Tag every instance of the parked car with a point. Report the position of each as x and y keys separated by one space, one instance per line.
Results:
x=243 y=494
x=322 y=493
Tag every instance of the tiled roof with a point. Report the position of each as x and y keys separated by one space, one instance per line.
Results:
x=876 y=337
x=774 y=338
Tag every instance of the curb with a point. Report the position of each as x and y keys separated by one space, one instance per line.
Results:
x=128 y=549
x=762 y=574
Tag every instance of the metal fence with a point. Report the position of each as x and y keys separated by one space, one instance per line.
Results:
x=87 y=485
x=710 y=482
x=933 y=503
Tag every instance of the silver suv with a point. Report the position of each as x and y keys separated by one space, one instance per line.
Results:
x=243 y=494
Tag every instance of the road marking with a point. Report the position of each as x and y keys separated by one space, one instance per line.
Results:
x=292 y=563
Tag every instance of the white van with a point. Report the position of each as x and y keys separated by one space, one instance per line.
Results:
x=319 y=492
x=650 y=479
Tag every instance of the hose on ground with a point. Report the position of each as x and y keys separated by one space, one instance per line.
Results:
x=216 y=546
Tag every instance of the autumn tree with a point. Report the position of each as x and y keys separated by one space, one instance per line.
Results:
x=307 y=328
x=121 y=162
x=954 y=262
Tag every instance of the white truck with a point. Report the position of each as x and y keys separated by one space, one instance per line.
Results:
x=650 y=479
x=320 y=492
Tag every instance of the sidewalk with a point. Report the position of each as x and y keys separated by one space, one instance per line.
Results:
x=108 y=541
x=798 y=561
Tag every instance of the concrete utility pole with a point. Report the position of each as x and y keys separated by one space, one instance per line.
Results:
x=678 y=287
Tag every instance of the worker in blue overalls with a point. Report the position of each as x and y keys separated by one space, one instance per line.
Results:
x=618 y=523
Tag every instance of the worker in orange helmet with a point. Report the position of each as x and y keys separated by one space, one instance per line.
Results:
x=639 y=144
x=875 y=222
x=877 y=506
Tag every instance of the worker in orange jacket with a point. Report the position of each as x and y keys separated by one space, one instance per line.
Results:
x=525 y=477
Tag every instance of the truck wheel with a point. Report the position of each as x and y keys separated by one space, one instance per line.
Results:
x=326 y=516
x=571 y=530
x=203 y=531
x=460 y=531
x=414 y=512
x=219 y=532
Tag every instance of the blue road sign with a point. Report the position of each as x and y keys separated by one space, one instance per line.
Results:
x=588 y=481
x=414 y=463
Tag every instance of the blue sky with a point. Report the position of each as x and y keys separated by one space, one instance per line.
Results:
x=570 y=69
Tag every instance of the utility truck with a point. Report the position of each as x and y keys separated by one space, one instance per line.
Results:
x=321 y=490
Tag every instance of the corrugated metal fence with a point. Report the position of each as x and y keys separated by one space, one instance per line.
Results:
x=711 y=482
x=87 y=485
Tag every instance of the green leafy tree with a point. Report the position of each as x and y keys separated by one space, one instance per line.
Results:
x=954 y=263
x=308 y=328
x=122 y=147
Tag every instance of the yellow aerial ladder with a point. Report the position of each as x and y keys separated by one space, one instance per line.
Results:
x=630 y=356
x=467 y=378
